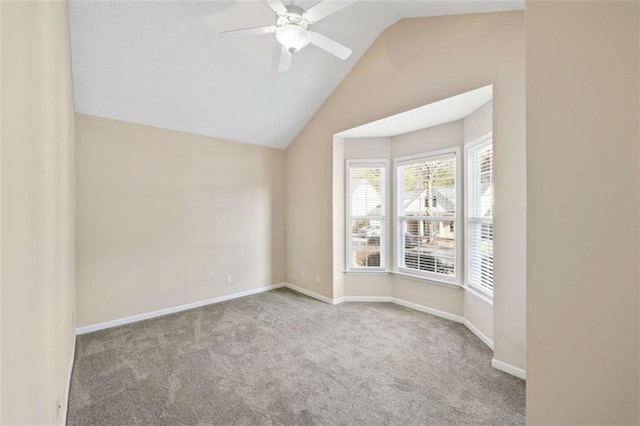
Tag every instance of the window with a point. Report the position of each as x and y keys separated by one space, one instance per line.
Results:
x=479 y=250
x=366 y=211
x=427 y=215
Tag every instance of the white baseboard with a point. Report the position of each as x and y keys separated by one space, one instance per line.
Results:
x=310 y=293
x=411 y=305
x=486 y=340
x=475 y=330
x=479 y=334
x=367 y=299
x=509 y=369
x=167 y=311
x=428 y=310
x=65 y=403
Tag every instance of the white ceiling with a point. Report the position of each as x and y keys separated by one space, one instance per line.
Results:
x=161 y=63
x=434 y=114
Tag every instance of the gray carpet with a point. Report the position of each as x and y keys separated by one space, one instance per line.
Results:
x=283 y=358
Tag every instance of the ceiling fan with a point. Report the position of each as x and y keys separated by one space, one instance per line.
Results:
x=292 y=29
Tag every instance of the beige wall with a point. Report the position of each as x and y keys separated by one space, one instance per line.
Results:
x=37 y=240
x=364 y=148
x=414 y=63
x=1 y=102
x=582 y=162
x=448 y=135
x=478 y=123
x=165 y=216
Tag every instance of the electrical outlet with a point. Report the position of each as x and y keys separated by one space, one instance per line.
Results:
x=302 y=275
x=228 y=279
x=317 y=279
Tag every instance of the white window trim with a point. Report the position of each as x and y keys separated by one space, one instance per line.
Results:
x=454 y=280
x=474 y=144
x=478 y=295
x=367 y=273
x=383 y=229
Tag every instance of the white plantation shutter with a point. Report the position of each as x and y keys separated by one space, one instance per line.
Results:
x=366 y=209
x=426 y=208
x=480 y=216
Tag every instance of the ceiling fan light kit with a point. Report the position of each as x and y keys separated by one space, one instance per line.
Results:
x=292 y=37
x=292 y=31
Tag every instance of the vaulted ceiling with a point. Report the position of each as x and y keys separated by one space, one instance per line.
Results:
x=163 y=64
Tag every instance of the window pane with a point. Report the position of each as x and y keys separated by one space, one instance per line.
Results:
x=366 y=191
x=482 y=185
x=365 y=242
x=429 y=246
x=427 y=188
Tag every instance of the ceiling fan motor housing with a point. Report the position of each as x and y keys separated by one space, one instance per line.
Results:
x=294 y=15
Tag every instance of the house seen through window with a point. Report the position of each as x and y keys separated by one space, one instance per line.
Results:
x=427 y=214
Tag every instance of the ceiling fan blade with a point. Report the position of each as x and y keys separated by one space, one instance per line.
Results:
x=277 y=6
x=333 y=47
x=285 y=60
x=246 y=32
x=326 y=8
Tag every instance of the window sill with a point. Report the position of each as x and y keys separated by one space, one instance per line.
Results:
x=368 y=273
x=427 y=280
x=478 y=295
